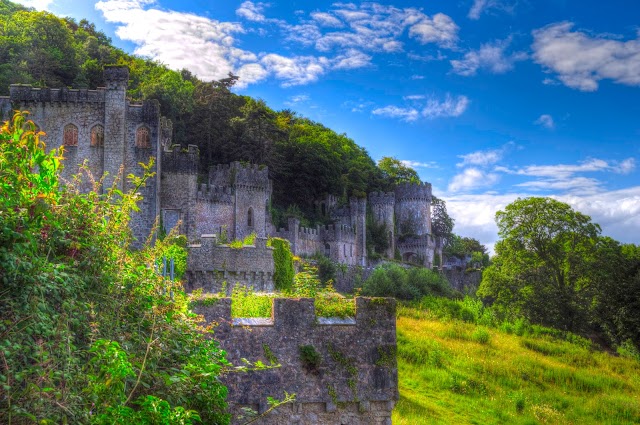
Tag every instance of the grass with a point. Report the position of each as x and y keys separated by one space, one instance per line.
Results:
x=453 y=371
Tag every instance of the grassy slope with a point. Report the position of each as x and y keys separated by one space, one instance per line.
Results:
x=450 y=375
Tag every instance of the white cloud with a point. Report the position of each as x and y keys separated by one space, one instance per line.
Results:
x=180 y=40
x=490 y=56
x=251 y=11
x=351 y=59
x=326 y=19
x=36 y=4
x=418 y=164
x=472 y=178
x=581 y=60
x=481 y=158
x=449 y=107
x=481 y=6
x=405 y=114
x=440 y=29
x=617 y=212
x=297 y=70
x=414 y=97
x=545 y=120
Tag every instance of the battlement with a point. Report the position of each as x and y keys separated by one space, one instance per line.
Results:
x=354 y=379
x=358 y=205
x=116 y=75
x=26 y=93
x=247 y=176
x=413 y=191
x=382 y=198
x=181 y=161
x=417 y=242
x=217 y=194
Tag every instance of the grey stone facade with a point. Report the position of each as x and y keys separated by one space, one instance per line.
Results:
x=355 y=380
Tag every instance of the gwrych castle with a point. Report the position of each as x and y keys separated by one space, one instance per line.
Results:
x=113 y=135
x=107 y=131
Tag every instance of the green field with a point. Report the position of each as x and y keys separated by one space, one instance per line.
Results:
x=452 y=372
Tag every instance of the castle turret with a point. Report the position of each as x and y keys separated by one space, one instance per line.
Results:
x=116 y=79
x=179 y=189
x=413 y=209
x=382 y=212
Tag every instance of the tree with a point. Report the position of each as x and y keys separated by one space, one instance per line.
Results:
x=441 y=222
x=397 y=172
x=543 y=264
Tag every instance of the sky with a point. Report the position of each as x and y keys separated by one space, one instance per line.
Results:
x=488 y=100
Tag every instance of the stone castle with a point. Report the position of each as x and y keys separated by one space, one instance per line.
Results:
x=355 y=379
x=113 y=135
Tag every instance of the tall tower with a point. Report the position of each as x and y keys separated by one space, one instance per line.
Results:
x=116 y=80
x=358 y=209
x=382 y=211
x=413 y=209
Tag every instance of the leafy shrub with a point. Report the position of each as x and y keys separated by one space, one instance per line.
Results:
x=283 y=264
x=391 y=280
x=481 y=336
x=246 y=303
x=71 y=289
x=326 y=269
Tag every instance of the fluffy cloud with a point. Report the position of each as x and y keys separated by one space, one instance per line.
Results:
x=617 y=212
x=418 y=164
x=581 y=60
x=405 y=114
x=481 y=158
x=37 y=4
x=545 y=120
x=449 y=107
x=297 y=70
x=490 y=56
x=181 y=40
x=440 y=29
x=430 y=108
x=472 y=178
x=251 y=11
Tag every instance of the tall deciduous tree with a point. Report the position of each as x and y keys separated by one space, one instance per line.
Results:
x=544 y=263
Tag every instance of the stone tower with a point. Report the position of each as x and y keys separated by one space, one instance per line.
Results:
x=251 y=190
x=179 y=189
x=358 y=210
x=382 y=211
x=413 y=209
x=116 y=79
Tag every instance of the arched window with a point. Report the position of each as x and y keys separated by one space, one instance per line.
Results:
x=97 y=136
x=250 y=217
x=143 y=140
x=70 y=135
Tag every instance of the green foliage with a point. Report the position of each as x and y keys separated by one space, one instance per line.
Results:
x=397 y=172
x=326 y=269
x=391 y=280
x=283 y=275
x=89 y=336
x=441 y=221
x=173 y=247
x=247 y=303
x=309 y=357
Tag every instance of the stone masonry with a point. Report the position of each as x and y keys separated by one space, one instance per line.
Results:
x=354 y=381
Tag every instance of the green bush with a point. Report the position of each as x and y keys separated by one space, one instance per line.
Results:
x=283 y=263
x=391 y=280
x=71 y=288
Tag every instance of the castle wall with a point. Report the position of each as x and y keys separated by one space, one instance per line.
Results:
x=354 y=383
x=358 y=208
x=210 y=265
x=215 y=211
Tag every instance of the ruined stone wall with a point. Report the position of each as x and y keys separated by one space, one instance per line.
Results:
x=210 y=265
x=355 y=381
x=418 y=249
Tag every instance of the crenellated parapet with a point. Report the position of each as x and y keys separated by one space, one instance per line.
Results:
x=26 y=94
x=181 y=161
x=236 y=174
x=215 y=194
x=352 y=380
x=382 y=198
x=338 y=233
x=413 y=192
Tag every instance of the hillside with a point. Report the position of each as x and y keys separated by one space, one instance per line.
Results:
x=453 y=372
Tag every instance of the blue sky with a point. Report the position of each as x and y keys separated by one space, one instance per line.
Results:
x=489 y=100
